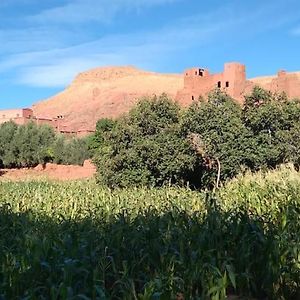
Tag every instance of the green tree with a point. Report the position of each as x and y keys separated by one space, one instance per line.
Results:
x=272 y=119
x=32 y=144
x=97 y=140
x=218 y=124
x=146 y=147
x=76 y=151
x=8 y=155
x=70 y=151
x=59 y=149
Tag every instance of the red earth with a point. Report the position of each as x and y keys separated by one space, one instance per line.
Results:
x=50 y=171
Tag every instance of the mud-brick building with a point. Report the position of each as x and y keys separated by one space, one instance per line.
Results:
x=199 y=82
x=285 y=82
x=24 y=115
x=19 y=116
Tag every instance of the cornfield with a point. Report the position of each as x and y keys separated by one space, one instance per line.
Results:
x=77 y=240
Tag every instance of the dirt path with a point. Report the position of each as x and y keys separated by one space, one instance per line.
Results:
x=50 y=171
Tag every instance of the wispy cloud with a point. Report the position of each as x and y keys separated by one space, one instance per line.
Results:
x=47 y=54
x=76 y=11
x=295 y=31
x=146 y=50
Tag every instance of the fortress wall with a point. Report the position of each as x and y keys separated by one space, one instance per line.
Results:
x=284 y=82
x=199 y=82
x=11 y=113
x=234 y=78
x=27 y=113
x=46 y=121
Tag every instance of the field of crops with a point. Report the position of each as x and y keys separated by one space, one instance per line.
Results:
x=77 y=240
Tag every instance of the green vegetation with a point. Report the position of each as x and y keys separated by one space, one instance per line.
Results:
x=81 y=241
x=158 y=143
x=200 y=235
x=72 y=151
x=31 y=144
x=144 y=148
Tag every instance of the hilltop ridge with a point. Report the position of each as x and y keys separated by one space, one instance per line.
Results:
x=105 y=92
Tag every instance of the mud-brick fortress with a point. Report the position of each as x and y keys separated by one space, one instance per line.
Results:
x=25 y=115
x=199 y=82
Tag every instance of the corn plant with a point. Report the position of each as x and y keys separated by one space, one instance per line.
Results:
x=78 y=240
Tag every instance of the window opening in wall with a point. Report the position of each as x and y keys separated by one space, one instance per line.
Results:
x=219 y=84
x=201 y=72
x=195 y=72
x=193 y=98
x=227 y=83
x=18 y=115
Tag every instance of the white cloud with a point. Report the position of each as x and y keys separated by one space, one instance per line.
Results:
x=51 y=56
x=33 y=39
x=76 y=11
x=146 y=50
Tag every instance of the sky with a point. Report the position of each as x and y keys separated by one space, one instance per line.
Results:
x=45 y=44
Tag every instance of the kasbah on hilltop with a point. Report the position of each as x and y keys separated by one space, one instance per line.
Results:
x=197 y=82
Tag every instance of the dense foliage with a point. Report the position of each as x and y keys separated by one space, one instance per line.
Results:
x=146 y=147
x=215 y=138
x=81 y=241
x=31 y=144
x=72 y=151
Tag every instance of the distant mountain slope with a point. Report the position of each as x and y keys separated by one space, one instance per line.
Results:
x=105 y=92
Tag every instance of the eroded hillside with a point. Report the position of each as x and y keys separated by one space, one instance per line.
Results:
x=105 y=92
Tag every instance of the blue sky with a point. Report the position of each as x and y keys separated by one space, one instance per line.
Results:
x=44 y=44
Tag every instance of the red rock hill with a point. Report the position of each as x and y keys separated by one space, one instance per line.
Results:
x=105 y=92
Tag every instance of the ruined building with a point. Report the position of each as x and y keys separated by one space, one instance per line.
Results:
x=199 y=82
x=25 y=115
